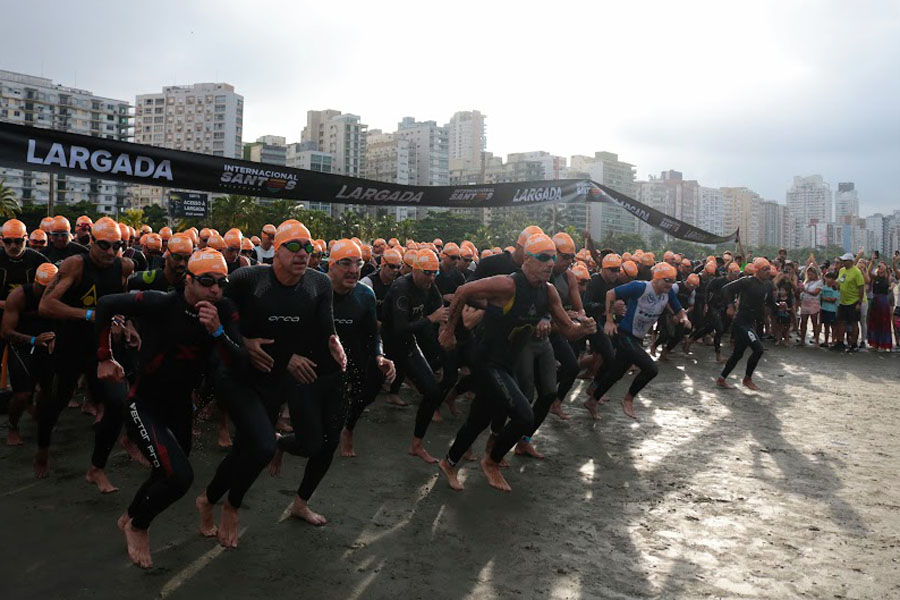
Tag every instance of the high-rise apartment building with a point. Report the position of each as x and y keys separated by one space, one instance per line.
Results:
x=711 y=210
x=268 y=149
x=742 y=210
x=467 y=140
x=605 y=168
x=302 y=155
x=343 y=136
x=38 y=102
x=204 y=117
x=846 y=201
x=392 y=159
x=810 y=201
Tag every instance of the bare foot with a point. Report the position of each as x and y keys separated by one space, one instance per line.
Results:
x=491 y=470
x=720 y=359
x=591 y=405
x=652 y=350
x=437 y=417
x=524 y=448
x=416 y=448
x=450 y=472
x=470 y=455
x=133 y=451
x=664 y=355
x=748 y=383
x=722 y=383
x=396 y=400
x=42 y=463
x=13 y=438
x=628 y=408
x=451 y=402
x=347 y=443
x=228 y=531
x=557 y=409
x=224 y=435
x=98 y=478
x=275 y=464
x=137 y=541
x=489 y=446
x=301 y=510
x=207 y=518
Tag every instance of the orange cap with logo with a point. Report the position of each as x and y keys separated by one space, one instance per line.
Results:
x=581 y=271
x=60 y=223
x=107 y=230
x=319 y=246
x=192 y=233
x=152 y=241
x=498 y=250
x=686 y=262
x=663 y=270
x=207 y=261
x=393 y=242
x=611 y=261
x=451 y=249
x=125 y=232
x=233 y=238
x=711 y=267
x=14 y=228
x=409 y=257
x=668 y=255
x=246 y=244
x=485 y=253
x=146 y=229
x=379 y=242
x=205 y=232
x=84 y=220
x=539 y=243
x=426 y=260
x=289 y=231
x=693 y=280
x=760 y=262
x=254 y=239
x=750 y=269
x=647 y=260
x=626 y=256
x=45 y=273
x=45 y=223
x=345 y=249
x=392 y=256
x=438 y=242
x=38 y=235
x=466 y=252
x=165 y=233
x=509 y=249
x=527 y=233
x=180 y=243
x=215 y=241
x=564 y=243
x=366 y=252
x=630 y=268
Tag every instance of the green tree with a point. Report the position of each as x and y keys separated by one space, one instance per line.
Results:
x=133 y=217
x=555 y=218
x=233 y=211
x=622 y=242
x=155 y=216
x=9 y=204
x=449 y=226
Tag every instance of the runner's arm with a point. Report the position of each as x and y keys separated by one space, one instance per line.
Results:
x=52 y=306
x=566 y=326
x=15 y=302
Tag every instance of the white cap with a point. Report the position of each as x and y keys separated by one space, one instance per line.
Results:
x=847 y=256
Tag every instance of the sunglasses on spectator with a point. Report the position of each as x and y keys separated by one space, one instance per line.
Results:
x=13 y=240
x=104 y=245
x=542 y=257
x=208 y=281
x=297 y=246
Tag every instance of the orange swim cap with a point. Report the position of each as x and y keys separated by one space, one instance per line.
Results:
x=426 y=260
x=246 y=244
x=45 y=223
x=125 y=232
x=214 y=241
x=146 y=229
x=152 y=241
x=693 y=280
x=750 y=269
x=60 y=223
x=451 y=249
x=207 y=261
x=254 y=239
x=647 y=259
x=466 y=252
x=564 y=243
x=345 y=249
x=289 y=231
x=180 y=243
x=165 y=233
x=539 y=244
x=527 y=233
x=107 y=230
x=734 y=267
x=84 y=220
x=486 y=252
x=630 y=268
x=14 y=228
x=611 y=261
x=686 y=262
x=205 y=232
x=366 y=252
x=409 y=258
x=663 y=270
x=45 y=273
x=269 y=228
x=38 y=234
x=581 y=271
x=711 y=267
x=392 y=257
x=760 y=262
x=379 y=242
x=233 y=238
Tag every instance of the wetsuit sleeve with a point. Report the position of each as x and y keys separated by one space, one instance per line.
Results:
x=594 y=300
x=400 y=313
x=230 y=344
x=130 y=305
x=732 y=289
x=371 y=336
x=325 y=310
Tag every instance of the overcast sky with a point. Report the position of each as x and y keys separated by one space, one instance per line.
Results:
x=731 y=94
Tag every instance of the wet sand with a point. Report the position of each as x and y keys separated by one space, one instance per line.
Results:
x=791 y=492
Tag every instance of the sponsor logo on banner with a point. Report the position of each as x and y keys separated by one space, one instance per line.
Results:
x=471 y=195
x=538 y=194
x=99 y=161
x=361 y=193
x=252 y=178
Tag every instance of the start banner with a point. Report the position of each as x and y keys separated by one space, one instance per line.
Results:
x=31 y=148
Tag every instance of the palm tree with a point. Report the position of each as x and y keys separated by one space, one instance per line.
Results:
x=133 y=217
x=9 y=204
x=554 y=218
x=233 y=211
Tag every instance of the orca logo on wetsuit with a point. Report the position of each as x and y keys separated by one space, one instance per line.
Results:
x=286 y=318
x=344 y=321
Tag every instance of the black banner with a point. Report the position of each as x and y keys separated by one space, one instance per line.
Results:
x=188 y=204
x=37 y=149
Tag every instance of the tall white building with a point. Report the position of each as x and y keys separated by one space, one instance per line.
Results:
x=38 y=102
x=431 y=145
x=268 y=149
x=207 y=118
x=605 y=168
x=742 y=210
x=877 y=227
x=810 y=201
x=467 y=139
x=343 y=136
x=711 y=210
x=392 y=159
x=301 y=155
x=846 y=201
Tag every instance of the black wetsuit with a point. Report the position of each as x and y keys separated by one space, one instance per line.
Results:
x=496 y=264
x=299 y=319
x=506 y=332
x=29 y=364
x=714 y=318
x=754 y=295
x=175 y=351
x=562 y=349
x=595 y=306
x=357 y=326
x=155 y=261
x=405 y=311
x=56 y=256
x=76 y=354
x=15 y=272
x=140 y=261
x=381 y=289
x=151 y=280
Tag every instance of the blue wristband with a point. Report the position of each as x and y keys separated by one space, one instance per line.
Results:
x=88 y=314
x=33 y=339
x=218 y=332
